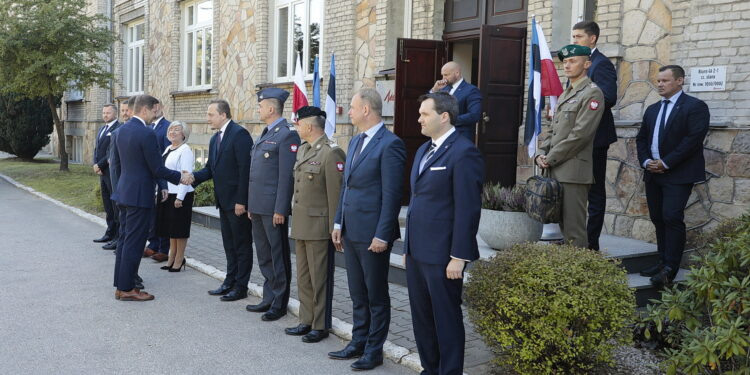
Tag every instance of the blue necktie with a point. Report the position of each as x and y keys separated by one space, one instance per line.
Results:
x=427 y=157
x=663 y=121
x=359 y=146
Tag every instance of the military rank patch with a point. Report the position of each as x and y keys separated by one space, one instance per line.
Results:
x=293 y=148
x=340 y=166
x=594 y=105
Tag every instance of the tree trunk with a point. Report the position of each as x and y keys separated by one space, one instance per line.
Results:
x=60 y=127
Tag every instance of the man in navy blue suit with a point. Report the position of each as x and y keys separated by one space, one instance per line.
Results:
x=138 y=164
x=228 y=165
x=158 y=247
x=441 y=229
x=670 y=149
x=101 y=167
x=602 y=72
x=468 y=96
x=366 y=224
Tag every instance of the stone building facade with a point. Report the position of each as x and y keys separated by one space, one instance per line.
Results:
x=640 y=36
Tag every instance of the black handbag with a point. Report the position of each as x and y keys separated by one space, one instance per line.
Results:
x=543 y=201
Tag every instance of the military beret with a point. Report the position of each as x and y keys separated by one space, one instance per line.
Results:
x=273 y=93
x=309 y=111
x=573 y=50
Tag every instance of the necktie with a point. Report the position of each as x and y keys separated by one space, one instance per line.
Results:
x=359 y=146
x=427 y=157
x=152 y=126
x=104 y=131
x=218 y=142
x=663 y=121
x=265 y=130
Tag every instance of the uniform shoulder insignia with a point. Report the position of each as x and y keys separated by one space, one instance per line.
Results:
x=291 y=127
x=594 y=85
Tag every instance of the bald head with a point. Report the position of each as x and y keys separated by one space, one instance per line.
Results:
x=451 y=72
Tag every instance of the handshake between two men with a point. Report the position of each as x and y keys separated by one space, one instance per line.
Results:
x=187 y=178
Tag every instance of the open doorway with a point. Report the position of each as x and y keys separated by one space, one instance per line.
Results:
x=466 y=53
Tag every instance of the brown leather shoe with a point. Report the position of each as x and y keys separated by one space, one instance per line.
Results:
x=135 y=295
x=148 y=252
x=117 y=293
x=159 y=257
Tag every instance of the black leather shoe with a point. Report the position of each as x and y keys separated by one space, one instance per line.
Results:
x=261 y=307
x=315 y=336
x=104 y=238
x=299 y=330
x=349 y=352
x=368 y=362
x=271 y=315
x=220 y=291
x=138 y=279
x=110 y=245
x=235 y=295
x=664 y=277
x=651 y=271
x=139 y=285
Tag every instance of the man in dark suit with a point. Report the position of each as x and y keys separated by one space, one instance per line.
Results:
x=468 y=96
x=138 y=164
x=602 y=72
x=101 y=167
x=366 y=224
x=158 y=247
x=270 y=189
x=670 y=149
x=441 y=234
x=228 y=165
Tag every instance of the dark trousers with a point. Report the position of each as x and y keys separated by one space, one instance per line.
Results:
x=666 y=206
x=134 y=225
x=237 y=238
x=597 y=197
x=274 y=260
x=367 y=275
x=110 y=208
x=156 y=243
x=436 y=317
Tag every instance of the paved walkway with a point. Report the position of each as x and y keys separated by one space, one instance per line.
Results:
x=58 y=314
x=205 y=245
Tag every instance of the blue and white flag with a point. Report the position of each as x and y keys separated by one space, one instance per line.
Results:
x=316 y=84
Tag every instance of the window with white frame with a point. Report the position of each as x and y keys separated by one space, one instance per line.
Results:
x=134 y=42
x=297 y=26
x=197 y=44
x=568 y=13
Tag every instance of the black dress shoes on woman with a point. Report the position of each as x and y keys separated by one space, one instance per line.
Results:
x=315 y=336
x=181 y=267
x=220 y=291
x=299 y=330
x=349 y=352
x=368 y=362
x=235 y=295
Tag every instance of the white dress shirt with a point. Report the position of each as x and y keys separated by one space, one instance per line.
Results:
x=370 y=133
x=106 y=128
x=438 y=142
x=455 y=86
x=180 y=159
x=655 y=139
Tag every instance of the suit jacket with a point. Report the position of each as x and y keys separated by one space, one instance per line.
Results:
x=603 y=73
x=101 y=148
x=229 y=167
x=138 y=163
x=161 y=134
x=271 y=177
x=445 y=203
x=681 y=142
x=371 y=192
x=317 y=184
x=570 y=146
x=469 y=107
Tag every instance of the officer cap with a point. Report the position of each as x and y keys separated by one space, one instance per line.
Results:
x=310 y=111
x=273 y=93
x=573 y=50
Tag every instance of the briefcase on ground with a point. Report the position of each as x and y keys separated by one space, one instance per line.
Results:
x=543 y=198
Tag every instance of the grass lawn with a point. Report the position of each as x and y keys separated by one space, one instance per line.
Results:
x=77 y=188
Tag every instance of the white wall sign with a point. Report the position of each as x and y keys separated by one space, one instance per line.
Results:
x=708 y=78
x=387 y=90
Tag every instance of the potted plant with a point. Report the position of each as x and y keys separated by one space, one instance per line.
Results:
x=503 y=222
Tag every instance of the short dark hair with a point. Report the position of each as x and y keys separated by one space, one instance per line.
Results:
x=444 y=102
x=147 y=101
x=677 y=70
x=131 y=102
x=114 y=107
x=278 y=106
x=222 y=106
x=588 y=27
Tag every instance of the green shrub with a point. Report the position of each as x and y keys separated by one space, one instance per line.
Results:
x=95 y=197
x=704 y=324
x=550 y=309
x=204 y=193
x=499 y=198
x=25 y=125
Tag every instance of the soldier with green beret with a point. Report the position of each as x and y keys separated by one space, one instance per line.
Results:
x=317 y=185
x=567 y=150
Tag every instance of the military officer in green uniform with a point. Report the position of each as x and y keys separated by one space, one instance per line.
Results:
x=317 y=185
x=567 y=151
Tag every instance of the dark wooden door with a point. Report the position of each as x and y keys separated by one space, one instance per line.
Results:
x=507 y=12
x=417 y=68
x=501 y=81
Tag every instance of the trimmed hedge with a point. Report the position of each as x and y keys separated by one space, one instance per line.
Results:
x=25 y=126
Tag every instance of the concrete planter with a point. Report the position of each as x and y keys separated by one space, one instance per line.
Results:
x=503 y=229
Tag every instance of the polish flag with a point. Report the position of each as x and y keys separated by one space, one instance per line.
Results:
x=299 y=98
